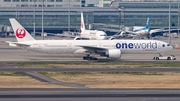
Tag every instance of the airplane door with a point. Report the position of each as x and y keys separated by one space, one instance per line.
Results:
x=100 y=44
x=159 y=45
x=69 y=47
x=42 y=46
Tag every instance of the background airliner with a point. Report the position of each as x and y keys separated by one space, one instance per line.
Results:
x=87 y=34
x=106 y=48
x=140 y=31
x=91 y=34
x=143 y=32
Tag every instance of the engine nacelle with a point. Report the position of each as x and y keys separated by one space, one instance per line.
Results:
x=113 y=53
x=77 y=38
x=111 y=38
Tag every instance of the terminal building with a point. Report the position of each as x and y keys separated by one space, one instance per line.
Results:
x=62 y=15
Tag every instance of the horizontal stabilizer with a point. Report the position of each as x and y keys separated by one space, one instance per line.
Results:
x=17 y=44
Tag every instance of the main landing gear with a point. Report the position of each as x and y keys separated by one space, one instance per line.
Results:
x=88 y=57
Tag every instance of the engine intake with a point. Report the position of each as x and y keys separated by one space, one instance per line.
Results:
x=113 y=53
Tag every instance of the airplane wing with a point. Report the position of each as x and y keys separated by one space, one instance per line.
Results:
x=17 y=44
x=63 y=35
x=156 y=30
x=131 y=32
x=163 y=30
x=95 y=49
x=116 y=36
x=167 y=30
x=106 y=52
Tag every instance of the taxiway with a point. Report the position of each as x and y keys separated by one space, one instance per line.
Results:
x=89 y=94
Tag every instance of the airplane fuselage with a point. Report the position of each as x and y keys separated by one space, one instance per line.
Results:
x=76 y=46
x=93 y=34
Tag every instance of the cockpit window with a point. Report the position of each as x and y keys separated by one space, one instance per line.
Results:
x=168 y=45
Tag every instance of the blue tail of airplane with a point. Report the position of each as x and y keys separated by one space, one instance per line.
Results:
x=147 y=23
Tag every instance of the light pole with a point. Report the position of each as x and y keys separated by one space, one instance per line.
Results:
x=119 y=11
x=34 y=18
x=69 y=17
x=119 y=18
x=122 y=16
x=42 y=19
x=169 y=21
x=178 y=18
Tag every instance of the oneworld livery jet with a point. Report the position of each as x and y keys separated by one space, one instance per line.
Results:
x=107 y=48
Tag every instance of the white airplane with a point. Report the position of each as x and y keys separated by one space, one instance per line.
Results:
x=91 y=34
x=86 y=34
x=106 y=48
x=140 y=31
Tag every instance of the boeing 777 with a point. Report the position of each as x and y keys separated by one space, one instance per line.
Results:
x=106 y=48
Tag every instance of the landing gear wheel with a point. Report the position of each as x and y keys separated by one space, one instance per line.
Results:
x=95 y=59
x=168 y=58
x=84 y=58
x=89 y=58
x=157 y=58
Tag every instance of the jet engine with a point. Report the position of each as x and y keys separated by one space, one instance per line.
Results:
x=111 y=38
x=77 y=38
x=113 y=53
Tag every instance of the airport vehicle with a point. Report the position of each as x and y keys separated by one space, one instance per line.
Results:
x=107 y=48
x=160 y=57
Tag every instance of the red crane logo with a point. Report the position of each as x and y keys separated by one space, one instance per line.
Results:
x=20 y=33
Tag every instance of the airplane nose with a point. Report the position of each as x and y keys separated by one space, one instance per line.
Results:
x=171 y=47
x=102 y=37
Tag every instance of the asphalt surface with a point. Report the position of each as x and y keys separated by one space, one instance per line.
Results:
x=43 y=78
x=2 y=69
x=89 y=95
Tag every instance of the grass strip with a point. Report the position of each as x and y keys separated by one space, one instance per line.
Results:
x=49 y=74
x=11 y=74
x=94 y=64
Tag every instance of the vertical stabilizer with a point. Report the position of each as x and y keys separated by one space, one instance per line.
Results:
x=147 y=23
x=82 y=22
x=19 y=31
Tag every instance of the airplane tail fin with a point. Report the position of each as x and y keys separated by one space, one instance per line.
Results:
x=20 y=32
x=147 y=23
x=82 y=22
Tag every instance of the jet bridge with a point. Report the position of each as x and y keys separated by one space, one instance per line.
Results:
x=109 y=27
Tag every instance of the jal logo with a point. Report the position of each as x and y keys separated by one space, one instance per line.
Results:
x=20 y=33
